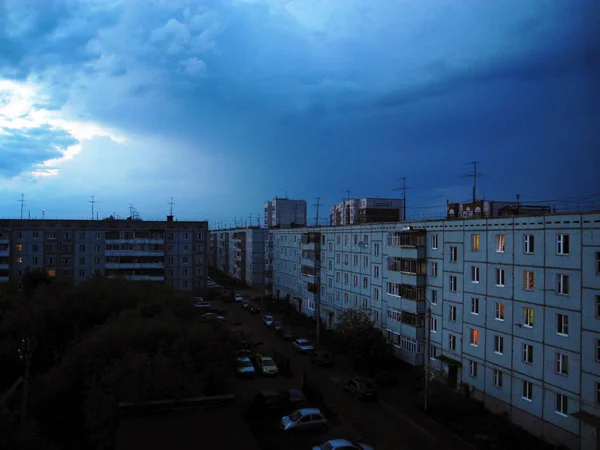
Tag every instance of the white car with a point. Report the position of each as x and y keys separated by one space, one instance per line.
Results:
x=267 y=366
x=268 y=320
x=244 y=367
x=303 y=345
x=239 y=298
x=304 y=420
x=342 y=444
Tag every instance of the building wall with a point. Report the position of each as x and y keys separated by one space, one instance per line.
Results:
x=77 y=250
x=499 y=321
x=283 y=212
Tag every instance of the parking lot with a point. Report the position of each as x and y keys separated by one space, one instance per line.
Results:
x=381 y=424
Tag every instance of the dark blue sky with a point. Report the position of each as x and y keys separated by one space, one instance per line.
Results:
x=223 y=104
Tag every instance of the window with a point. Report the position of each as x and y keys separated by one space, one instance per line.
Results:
x=499 y=310
x=171 y=272
x=355 y=259
x=366 y=239
x=562 y=405
x=330 y=264
x=451 y=342
x=376 y=272
x=170 y=236
x=473 y=369
x=453 y=283
x=97 y=235
x=19 y=247
x=186 y=248
x=346 y=240
x=433 y=323
x=597 y=392
x=365 y=282
x=452 y=314
x=97 y=260
x=562 y=284
x=453 y=254
x=67 y=235
x=97 y=247
x=19 y=235
x=36 y=235
x=34 y=260
x=528 y=280
x=474 y=337
x=528 y=353
x=528 y=316
x=365 y=261
x=474 y=274
x=528 y=243
x=434 y=241
x=338 y=240
x=498 y=344
x=500 y=277
x=432 y=352
x=81 y=272
x=597 y=306
x=171 y=248
x=82 y=260
x=346 y=298
x=562 y=244
x=597 y=263
x=346 y=259
x=526 y=390
x=497 y=378
x=338 y=258
x=185 y=272
x=500 y=243
x=434 y=269
x=376 y=293
x=434 y=297
x=474 y=305
x=475 y=242
x=356 y=239
x=562 y=324
x=35 y=248
x=51 y=235
x=330 y=246
x=184 y=284
x=376 y=249
x=185 y=260
x=82 y=248
x=346 y=278
x=562 y=364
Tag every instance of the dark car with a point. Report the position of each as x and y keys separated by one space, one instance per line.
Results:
x=321 y=358
x=277 y=325
x=271 y=400
x=253 y=309
x=294 y=398
x=362 y=388
x=287 y=334
x=246 y=304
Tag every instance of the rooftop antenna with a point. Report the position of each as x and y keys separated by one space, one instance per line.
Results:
x=22 y=201
x=29 y=215
x=93 y=202
x=403 y=189
x=171 y=206
x=250 y=219
x=317 y=205
x=346 y=220
x=131 y=210
x=286 y=196
x=473 y=175
x=258 y=220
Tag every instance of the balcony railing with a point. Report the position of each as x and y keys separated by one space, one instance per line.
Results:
x=309 y=271
x=311 y=238
x=406 y=239
x=405 y=265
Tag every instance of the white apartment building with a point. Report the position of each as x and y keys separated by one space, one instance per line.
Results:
x=514 y=301
x=283 y=212
x=367 y=210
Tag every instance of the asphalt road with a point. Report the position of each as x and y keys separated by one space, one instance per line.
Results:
x=380 y=424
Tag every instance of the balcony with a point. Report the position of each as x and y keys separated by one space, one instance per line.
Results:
x=407 y=266
x=134 y=241
x=311 y=238
x=406 y=239
x=4 y=250
x=309 y=271
x=155 y=265
x=143 y=277
x=4 y=266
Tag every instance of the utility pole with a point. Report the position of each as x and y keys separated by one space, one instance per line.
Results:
x=93 y=202
x=258 y=220
x=317 y=205
x=473 y=175
x=22 y=201
x=28 y=345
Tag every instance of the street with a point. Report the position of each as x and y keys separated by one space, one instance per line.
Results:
x=380 y=424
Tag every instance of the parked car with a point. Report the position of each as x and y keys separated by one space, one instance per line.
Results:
x=277 y=325
x=294 y=398
x=244 y=367
x=253 y=309
x=342 y=444
x=362 y=388
x=266 y=365
x=287 y=334
x=268 y=320
x=321 y=358
x=246 y=304
x=305 y=419
x=272 y=400
x=303 y=345
x=238 y=298
x=203 y=305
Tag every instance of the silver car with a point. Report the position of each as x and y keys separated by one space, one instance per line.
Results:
x=304 y=419
x=342 y=444
x=303 y=345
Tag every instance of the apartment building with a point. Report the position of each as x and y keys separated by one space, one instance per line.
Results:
x=240 y=253
x=284 y=212
x=75 y=250
x=367 y=210
x=514 y=303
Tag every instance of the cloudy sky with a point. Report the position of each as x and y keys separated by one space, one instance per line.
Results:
x=223 y=104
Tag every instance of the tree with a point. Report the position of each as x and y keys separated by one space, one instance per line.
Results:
x=362 y=340
x=32 y=279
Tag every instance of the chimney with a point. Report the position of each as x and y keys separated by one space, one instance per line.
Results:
x=169 y=218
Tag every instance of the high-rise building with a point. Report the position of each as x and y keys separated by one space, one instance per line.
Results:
x=75 y=250
x=367 y=210
x=505 y=307
x=283 y=212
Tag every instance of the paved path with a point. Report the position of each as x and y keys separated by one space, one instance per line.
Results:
x=385 y=424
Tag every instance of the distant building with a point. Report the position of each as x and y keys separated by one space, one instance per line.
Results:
x=487 y=208
x=283 y=213
x=240 y=253
x=367 y=210
x=75 y=250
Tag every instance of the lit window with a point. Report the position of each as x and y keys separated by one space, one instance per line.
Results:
x=499 y=310
x=500 y=243
x=475 y=242
x=19 y=260
x=528 y=280
x=51 y=273
x=19 y=247
x=474 y=337
x=528 y=315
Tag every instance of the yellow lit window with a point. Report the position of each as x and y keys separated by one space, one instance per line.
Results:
x=19 y=260
x=529 y=281
x=19 y=247
x=474 y=337
x=528 y=314
x=51 y=273
x=475 y=242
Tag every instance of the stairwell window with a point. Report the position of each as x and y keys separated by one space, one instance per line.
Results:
x=500 y=243
x=451 y=342
x=499 y=311
x=433 y=324
x=528 y=353
x=474 y=274
x=562 y=284
x=528 y=280
x=452 y=314
x=562 y=244
x=376 y=250
x=474 y=305
x=527 y=390
x=562 y=405
x=498 y=345
x=453 y=254
x=453 y=283
x=562 y=324
x=562 y=364
x=528 y=243
x=474 y=337
x=475 y=242
x=434 y=269
x=528 y=316
x=434 y=297
x=434 y=241
x=498 y=378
